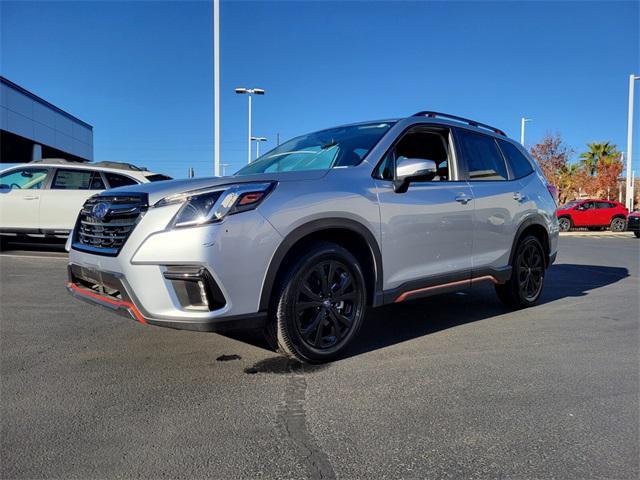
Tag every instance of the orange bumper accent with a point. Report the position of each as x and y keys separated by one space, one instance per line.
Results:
x=116 y=303
x=402 y=297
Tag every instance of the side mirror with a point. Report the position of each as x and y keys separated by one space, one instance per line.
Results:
x=4 y=186
x=413 y=170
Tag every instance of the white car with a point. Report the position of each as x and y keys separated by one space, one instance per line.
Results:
x=44 y=197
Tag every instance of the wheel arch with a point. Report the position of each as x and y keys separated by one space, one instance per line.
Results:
x=348 y=233
x=535 y=226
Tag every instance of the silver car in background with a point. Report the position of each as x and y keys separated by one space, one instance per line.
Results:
x=300 y=242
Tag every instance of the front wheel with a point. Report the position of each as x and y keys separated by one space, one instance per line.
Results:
x=618 y=225
x=321 y=304
x=527 y=275
x=637 y=233
x=565 y=224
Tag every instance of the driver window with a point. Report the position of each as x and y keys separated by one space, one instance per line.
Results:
x=586 y=206
x=24 y=179
x=422 y=144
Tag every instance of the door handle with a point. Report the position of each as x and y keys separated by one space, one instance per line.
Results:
x=518 y=197
x=463 y=198
x=31 y=197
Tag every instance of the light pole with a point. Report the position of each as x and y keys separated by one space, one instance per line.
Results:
x=224 y=168
x=629 y=195
x=216 y=87
x=249 y=92
x=258 y=140
x=522 y=122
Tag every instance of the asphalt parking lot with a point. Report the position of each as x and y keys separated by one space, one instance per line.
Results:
x=449 y=387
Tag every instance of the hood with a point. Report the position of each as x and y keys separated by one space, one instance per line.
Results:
x=158 y=190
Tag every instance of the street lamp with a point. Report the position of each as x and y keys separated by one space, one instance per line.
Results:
x=258 y=140
x=522 y=122
x=249 y=92
x=629 y=196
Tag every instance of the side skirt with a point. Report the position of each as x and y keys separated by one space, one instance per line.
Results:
x=448 y=283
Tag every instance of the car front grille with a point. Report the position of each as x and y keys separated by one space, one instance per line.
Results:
x=106 y=221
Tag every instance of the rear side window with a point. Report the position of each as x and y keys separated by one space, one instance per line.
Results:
x=520 y=166
x=116 y=180
x=72 y=179
x=484 y=160
x=158 y=177
x=604 y=205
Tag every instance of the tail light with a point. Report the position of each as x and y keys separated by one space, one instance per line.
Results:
x=553 y=190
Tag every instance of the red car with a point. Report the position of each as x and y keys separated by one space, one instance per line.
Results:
x=594 y=214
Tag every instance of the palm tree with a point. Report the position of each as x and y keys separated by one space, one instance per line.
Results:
x=597 y=153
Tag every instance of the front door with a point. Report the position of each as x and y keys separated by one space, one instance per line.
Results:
x=584 y=215
x=20 y=195
x=427 y=230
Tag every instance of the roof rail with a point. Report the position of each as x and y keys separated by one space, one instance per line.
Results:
x=473 y=123
x=120 y=166
x=59 y=161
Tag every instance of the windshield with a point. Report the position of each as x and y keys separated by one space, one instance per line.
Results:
x=335 y=147
x=570 y=204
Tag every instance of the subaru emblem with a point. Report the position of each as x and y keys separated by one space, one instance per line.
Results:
x=100 y=210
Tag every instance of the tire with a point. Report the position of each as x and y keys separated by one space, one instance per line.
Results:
x=319 y=305
x=618 y=224
x=637 y=233
x=565 y=224
x=527 y=276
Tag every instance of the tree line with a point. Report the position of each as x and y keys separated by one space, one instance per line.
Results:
x=596 y=174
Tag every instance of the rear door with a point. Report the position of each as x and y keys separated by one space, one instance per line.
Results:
x=69 y=189
x=499 y=202
x=20 y=196
x=604 y=212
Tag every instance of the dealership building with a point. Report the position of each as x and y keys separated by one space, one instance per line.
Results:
x=32 y=128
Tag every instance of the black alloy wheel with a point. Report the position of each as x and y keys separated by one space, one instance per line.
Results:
x=327 y=302
x=528 y=270
x=320 y=304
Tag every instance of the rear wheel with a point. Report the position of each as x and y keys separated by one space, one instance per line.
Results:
x=320 y=304
x=565 y=224
x=618 y=224
x=527 y=275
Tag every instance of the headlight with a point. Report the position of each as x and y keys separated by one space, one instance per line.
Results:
x=212 y=205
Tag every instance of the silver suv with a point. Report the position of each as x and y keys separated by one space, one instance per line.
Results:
x=300 y=242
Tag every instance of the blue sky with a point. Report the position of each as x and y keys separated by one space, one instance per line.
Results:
x=141 y=72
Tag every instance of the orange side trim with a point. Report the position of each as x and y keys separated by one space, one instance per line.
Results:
x=117 y=303
x=402 y=297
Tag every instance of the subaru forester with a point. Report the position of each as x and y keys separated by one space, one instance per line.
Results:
x=303 y=240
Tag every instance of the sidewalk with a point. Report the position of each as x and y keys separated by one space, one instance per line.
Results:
x=602 y=234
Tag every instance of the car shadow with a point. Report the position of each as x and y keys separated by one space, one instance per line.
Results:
x=392 y=324
x=9 y=244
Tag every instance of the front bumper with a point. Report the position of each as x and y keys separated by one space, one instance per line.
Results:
x=633 y=223
x=141 y=280
x=111 y=290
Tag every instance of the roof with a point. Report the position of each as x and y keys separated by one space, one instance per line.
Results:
x=42 y=101
x=101 y=165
